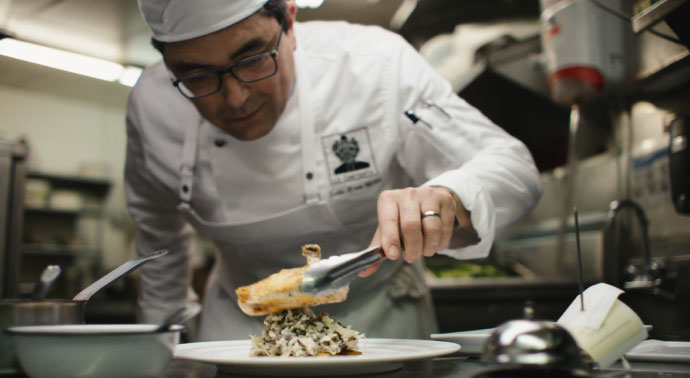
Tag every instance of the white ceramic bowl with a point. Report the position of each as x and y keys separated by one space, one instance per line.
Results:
x=94 y=351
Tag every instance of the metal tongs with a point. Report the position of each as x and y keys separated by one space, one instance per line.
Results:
x=337 y=271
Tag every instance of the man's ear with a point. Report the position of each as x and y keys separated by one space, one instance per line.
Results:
x=290 y=17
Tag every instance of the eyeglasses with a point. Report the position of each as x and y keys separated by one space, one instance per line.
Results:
x=249 y=70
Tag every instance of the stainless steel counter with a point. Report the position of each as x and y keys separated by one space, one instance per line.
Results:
x=454 y=366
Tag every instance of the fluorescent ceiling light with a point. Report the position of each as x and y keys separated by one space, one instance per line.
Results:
x=402 y=14
x=129 y=76
x=70 y=62
x=309 y=3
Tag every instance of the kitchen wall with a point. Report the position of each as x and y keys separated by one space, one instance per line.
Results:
x=650 y=181
x=76 y=129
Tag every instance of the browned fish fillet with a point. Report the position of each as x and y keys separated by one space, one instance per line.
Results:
x=280 y=291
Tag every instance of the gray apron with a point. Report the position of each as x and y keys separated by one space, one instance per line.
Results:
x=394 y=302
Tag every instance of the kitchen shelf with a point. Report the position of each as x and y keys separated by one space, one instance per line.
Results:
x=63 y=212
x=63 y=224
x=72 y=181
x=431 y=18
x=654 y=13
x=675 y=73
x=59 y=250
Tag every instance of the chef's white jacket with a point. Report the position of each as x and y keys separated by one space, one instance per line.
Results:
x=265 y=198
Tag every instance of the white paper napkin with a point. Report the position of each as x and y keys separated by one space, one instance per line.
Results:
x=598 y=302
x=606 y=329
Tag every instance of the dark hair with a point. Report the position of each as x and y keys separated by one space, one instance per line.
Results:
x=275 y=9
x=272 y=8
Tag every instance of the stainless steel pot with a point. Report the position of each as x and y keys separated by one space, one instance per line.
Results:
x=16 y=312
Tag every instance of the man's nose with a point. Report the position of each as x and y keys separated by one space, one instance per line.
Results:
x=234 y=91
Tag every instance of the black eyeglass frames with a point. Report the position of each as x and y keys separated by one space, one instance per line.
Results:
x=248 y=70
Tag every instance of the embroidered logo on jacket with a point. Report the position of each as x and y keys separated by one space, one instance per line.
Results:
x=349 y=156
x=347 y=150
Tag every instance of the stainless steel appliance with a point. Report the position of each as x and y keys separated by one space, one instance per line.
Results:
x=679 y=163
x=12 y=173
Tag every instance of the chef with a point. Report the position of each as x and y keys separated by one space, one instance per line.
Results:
x=263 y=134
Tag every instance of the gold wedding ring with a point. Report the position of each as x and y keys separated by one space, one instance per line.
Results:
x=430 y=213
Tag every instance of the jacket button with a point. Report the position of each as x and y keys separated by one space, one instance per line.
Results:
x=310 y=175
x=219 y=142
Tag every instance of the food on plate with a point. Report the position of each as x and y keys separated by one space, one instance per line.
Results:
x=300 y=333
x=292 y=329
x=280 y=291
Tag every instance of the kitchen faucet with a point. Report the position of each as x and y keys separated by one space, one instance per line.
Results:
x=632 y=276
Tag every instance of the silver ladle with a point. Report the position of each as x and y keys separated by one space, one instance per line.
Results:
x=116 y=274
x=48 y=277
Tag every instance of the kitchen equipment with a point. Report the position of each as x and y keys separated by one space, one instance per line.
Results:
x=581 y=281
x=116 y=274
x=679 y=163
x=48 y=277
x=337 y=271
x=619 y=272
x=25 y=312
x=20 y=312
x=13 y=162
x=584 y=49
x=535 y=344
x=94 y=351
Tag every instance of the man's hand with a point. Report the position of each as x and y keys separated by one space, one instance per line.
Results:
x=405 y=231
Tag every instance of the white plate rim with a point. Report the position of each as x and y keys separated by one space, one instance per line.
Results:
x=478 y=334
x=472 y=342
x=474 y=334
x=428 y=349
x=642 y=353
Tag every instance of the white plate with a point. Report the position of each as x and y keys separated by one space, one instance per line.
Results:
x=378 y=355
x=660 y=351
x=472 y=341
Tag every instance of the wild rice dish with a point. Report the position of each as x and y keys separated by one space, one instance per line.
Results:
x=299 y=332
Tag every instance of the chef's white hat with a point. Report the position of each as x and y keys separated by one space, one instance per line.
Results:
x=179 y=20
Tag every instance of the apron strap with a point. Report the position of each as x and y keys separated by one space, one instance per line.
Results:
x=189 y=152
x=309 y=180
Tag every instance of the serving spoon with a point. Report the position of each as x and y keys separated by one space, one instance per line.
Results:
x=116 y=274
x=48 y=277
